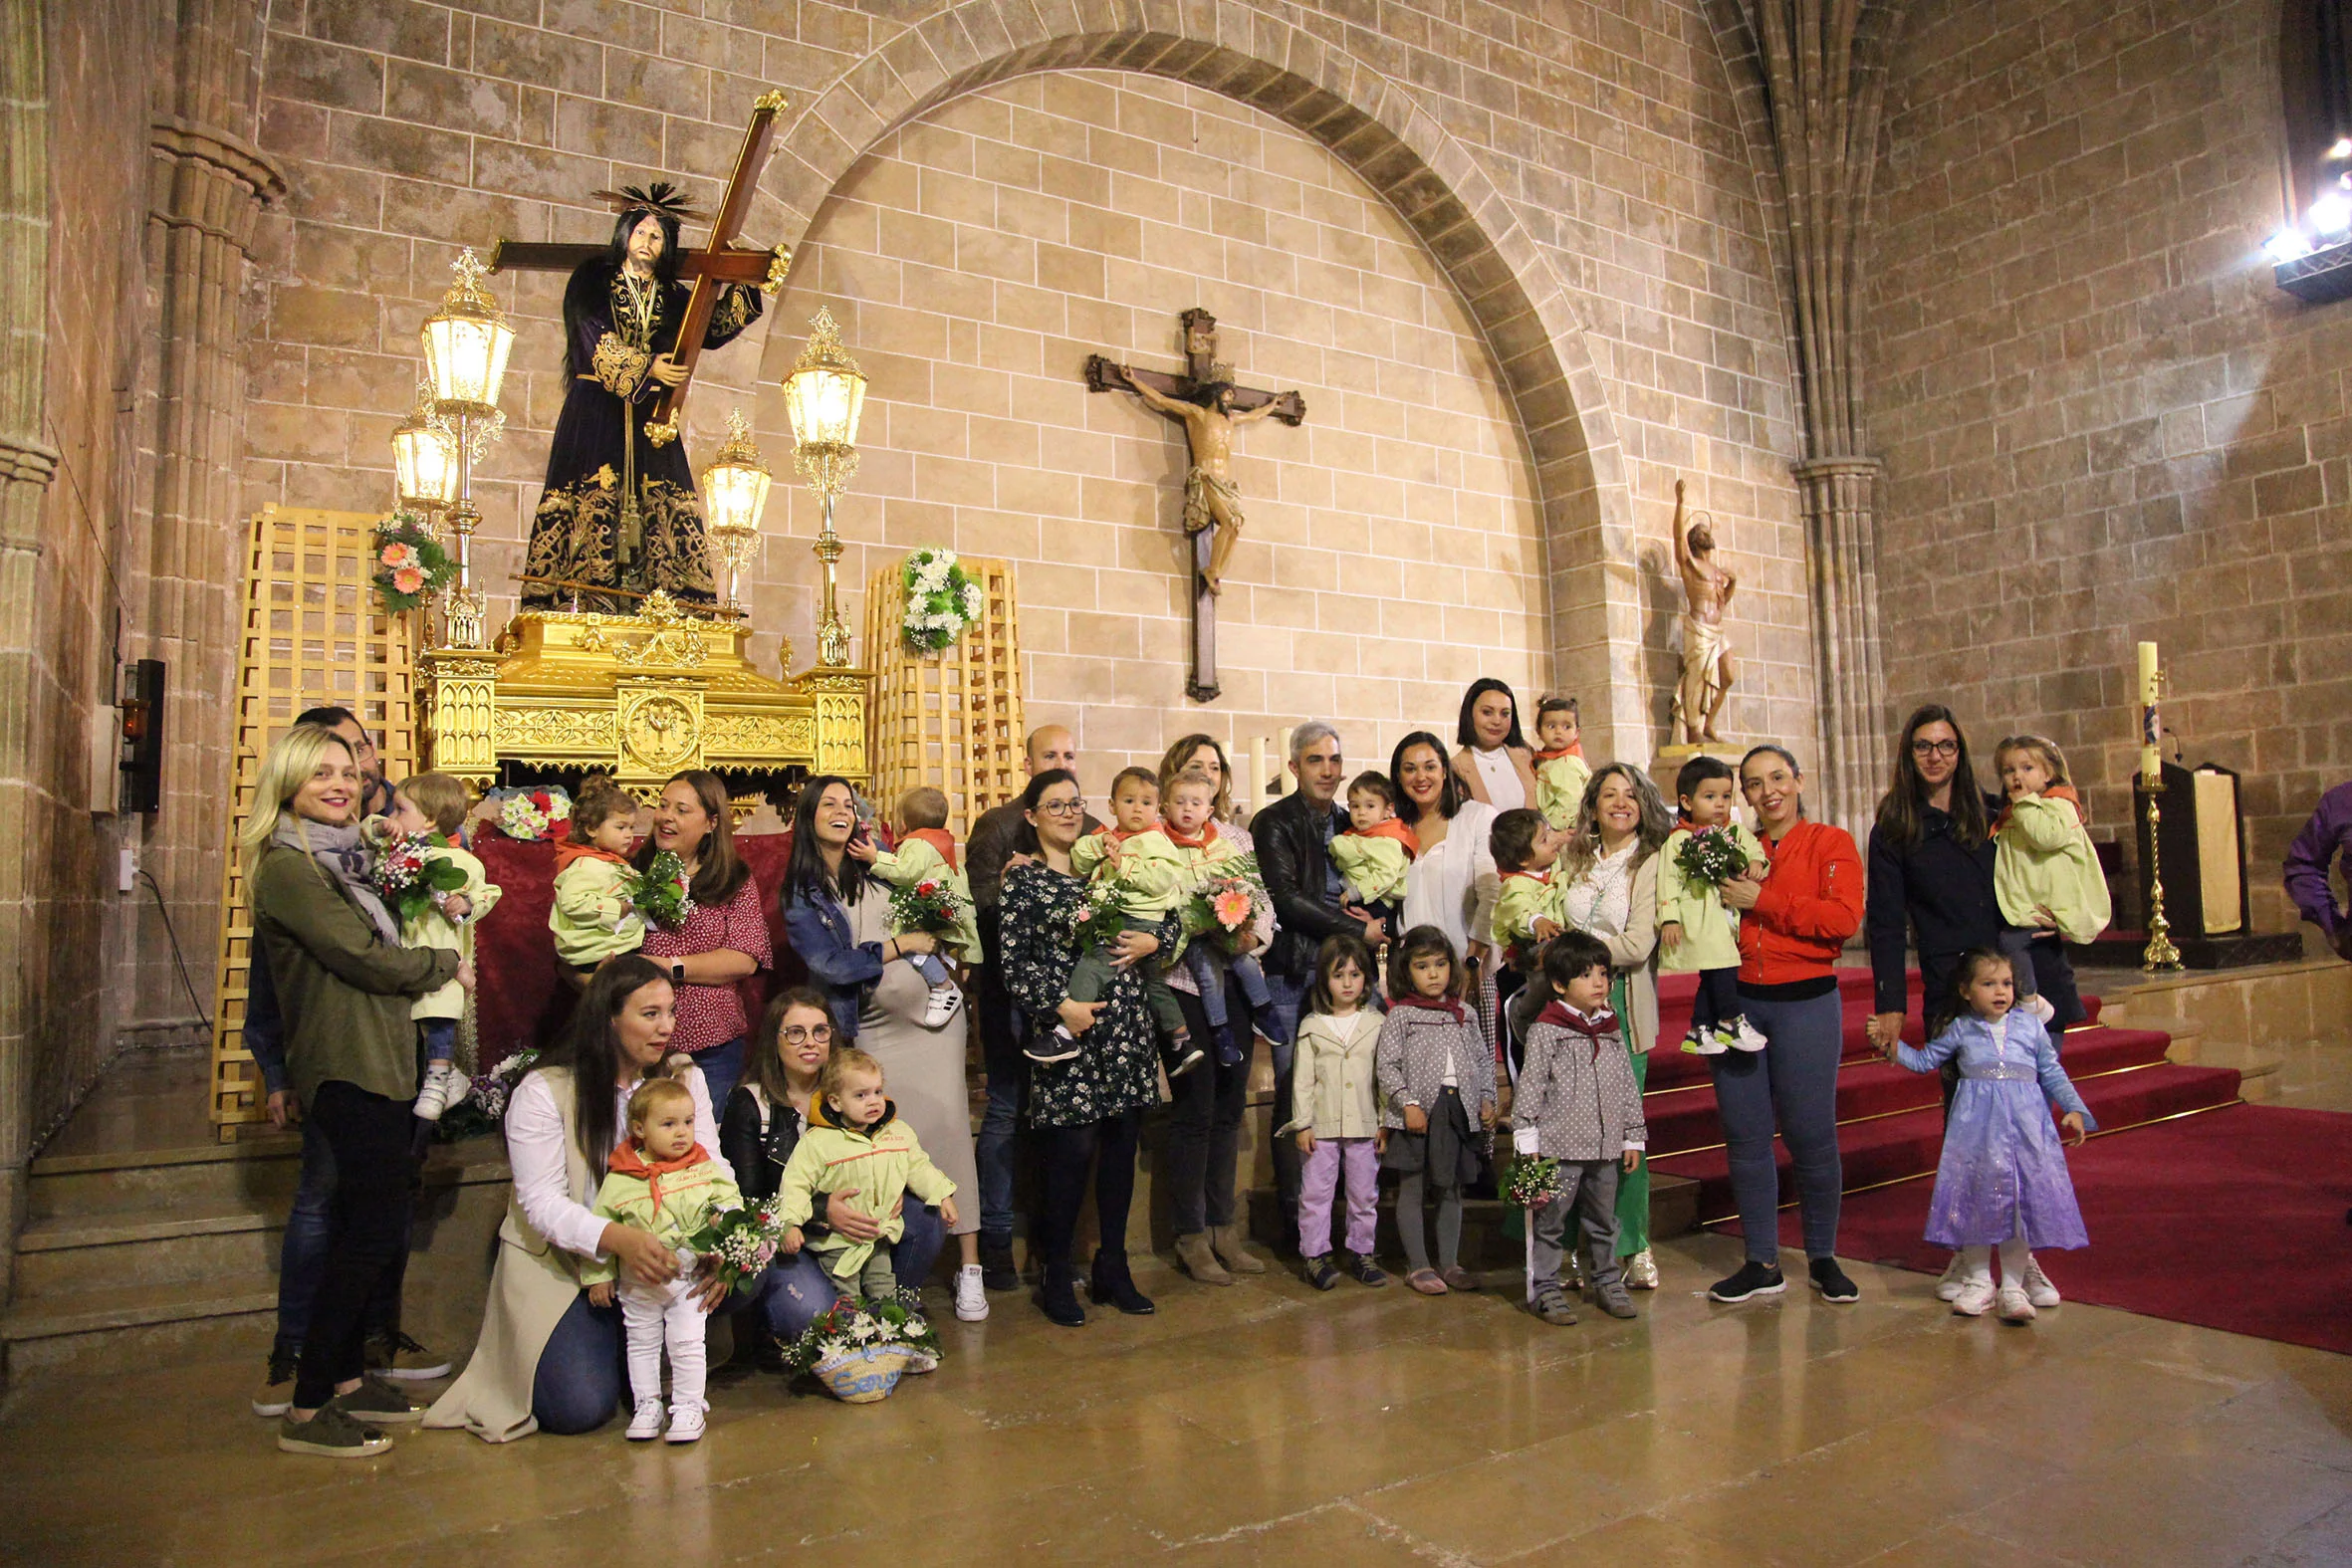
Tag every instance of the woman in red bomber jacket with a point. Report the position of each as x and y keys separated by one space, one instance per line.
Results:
x=1792 y=925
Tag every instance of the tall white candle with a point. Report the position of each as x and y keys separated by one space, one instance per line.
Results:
x=2151 y=764
x=1283 y=783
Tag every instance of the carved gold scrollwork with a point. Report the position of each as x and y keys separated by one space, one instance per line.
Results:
x=555 y=732
x=660 y=730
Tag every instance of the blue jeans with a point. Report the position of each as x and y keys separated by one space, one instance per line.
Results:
x=440 y=1039
x=582 y=1372
x=303 y=1254
x=722 y=1068
x=794 y=1289
x=1002 y=1027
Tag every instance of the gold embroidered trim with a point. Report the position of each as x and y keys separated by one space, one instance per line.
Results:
x=620 y=368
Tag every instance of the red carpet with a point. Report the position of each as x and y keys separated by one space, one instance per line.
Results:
x=2262 y=1189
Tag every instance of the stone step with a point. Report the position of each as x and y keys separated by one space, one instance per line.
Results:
x=116 y=1327
x=258 y=1175
x=63 y=1256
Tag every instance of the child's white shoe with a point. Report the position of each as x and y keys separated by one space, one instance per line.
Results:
x=1975 y=1299
x=686 y=1424
x=646 y=1424
x=2038 y=1287
x=971 y=1294
x=443 y=1087
x=1956 y=1275
x=1746 y=1038
x=2040 y=1008
x=1702 y=1042
x=2015 y=1308
x=945 y=1000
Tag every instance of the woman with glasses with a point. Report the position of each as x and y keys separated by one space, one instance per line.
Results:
x=1086 y=1111
x=1931 y=868
x=762 y=1123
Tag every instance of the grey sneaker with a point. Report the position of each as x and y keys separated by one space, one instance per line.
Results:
x=1552 y=1305
x=395 y=1356
x=377 y=1401
x=1612 y=1300
x=333 y=1434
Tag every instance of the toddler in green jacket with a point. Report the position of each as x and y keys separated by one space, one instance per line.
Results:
x=854 y=1139
x=1698 y=933
x=436 y=805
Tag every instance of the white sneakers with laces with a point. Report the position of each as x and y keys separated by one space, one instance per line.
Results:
x=686 y=1423
x=1973 y=1298
x=2015 y=1308
x=645 y=1423
x=2038 y=1287
x=443 y=1087
x=1956 y=1275
x=971 y=1294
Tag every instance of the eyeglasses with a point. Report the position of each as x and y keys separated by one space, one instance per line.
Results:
x=1063 y=808
x=824 y=1033
x=1935 y=748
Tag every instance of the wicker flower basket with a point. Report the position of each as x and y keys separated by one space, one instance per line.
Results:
x=865 y=1374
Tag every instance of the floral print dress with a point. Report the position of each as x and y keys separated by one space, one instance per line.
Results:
x=1116 y=1068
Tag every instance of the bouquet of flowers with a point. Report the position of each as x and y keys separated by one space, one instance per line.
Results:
x=1096 y=919
x=860 y=1348
x=941 y=601
x=930 y=905
x=408 y=876
x=1228 y=898
x=662 y=893
x=1712 y=855
x=1533 y=1182
x=410 y=564
x=742 y=1239
x=480 y=1113
x=533 y=814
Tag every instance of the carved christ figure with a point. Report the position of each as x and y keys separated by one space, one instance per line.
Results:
x=1211 y=499
x=1707 y=666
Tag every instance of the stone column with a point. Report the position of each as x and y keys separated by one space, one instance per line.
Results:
x=1841 y=557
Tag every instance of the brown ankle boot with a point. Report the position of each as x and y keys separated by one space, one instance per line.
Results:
x=1226 y=1241
x=1194 y=1257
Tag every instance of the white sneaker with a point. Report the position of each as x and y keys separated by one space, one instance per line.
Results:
x=1702 y=1042
x=443 y=1087
x=1747 y=1040
x=971 y=1294
x=1974 y=1299
x=2038 y=1287
x=686 y=1424
x=646 y=1424
x=2041 y=1009
x=945 y=1000
x=1956 y=1275
x=2015 y=1308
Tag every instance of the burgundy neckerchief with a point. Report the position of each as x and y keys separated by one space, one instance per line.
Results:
x=1445 y=1005
x=1600 y=1026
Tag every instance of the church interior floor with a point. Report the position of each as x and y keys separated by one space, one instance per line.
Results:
x=1265 y=1422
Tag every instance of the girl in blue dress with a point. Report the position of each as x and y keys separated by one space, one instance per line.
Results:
x=2002 y=1177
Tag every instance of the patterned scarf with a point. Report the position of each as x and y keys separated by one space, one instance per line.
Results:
x=344 y=856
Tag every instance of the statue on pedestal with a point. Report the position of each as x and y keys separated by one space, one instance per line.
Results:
x=1707 y=666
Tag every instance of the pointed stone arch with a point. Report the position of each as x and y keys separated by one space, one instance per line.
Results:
x=1509 y=284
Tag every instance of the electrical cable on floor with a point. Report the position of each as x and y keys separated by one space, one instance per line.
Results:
x=156 y=888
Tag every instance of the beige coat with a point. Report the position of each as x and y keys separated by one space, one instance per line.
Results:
x=532 y=1286
x=1634 y=954
x=1331 y=1089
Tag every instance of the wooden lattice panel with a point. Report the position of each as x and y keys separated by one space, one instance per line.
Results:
x=951 y=719
x=310 y=636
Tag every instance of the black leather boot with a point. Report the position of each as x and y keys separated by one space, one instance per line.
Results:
x=996 y=1264
x=1058 y=1296
x=1112 y=1284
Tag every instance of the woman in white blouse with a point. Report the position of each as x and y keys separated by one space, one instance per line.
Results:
x=1453 y=883
x=1494 y=764
x=548 y=1359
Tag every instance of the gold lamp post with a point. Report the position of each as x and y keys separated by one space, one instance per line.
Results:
x=825 y=395
x=424 y=469
x=734 y=494
x=465 y=351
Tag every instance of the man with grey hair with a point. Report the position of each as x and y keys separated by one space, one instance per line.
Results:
x=1293 y=838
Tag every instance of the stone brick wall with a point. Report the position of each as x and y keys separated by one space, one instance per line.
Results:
x=1608 y=140
x=2101 y=420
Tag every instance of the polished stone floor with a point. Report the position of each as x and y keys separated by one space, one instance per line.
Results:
x=1266 y=1423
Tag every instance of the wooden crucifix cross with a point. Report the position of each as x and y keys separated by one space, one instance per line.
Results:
x=720 y=260
x=1210 y=405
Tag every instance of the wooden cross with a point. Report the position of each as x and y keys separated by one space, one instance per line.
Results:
x=720 y=260
x=1213 y=518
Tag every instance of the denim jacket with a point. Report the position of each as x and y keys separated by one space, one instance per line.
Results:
x=845 y=968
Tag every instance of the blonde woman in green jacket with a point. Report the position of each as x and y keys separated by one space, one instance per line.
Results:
x=345 y=986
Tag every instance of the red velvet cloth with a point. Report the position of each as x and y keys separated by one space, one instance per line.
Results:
x=522 y=1001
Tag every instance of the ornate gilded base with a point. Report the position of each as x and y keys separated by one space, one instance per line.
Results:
x=640 y=697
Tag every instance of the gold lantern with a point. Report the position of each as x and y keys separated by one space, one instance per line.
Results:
x=466 y=343
x=825 y=395
x=734 y=495
x=424 y=469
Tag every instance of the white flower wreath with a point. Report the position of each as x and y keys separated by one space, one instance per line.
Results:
x=941 y=601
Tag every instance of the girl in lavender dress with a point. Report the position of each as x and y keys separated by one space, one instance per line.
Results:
x=2002 y=1178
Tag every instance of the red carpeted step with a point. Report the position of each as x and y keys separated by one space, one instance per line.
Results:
x=1908 y=1144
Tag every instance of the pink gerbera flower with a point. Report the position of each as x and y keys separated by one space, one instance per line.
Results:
x=408 y=579
x=397 y=555
x=1231 y=908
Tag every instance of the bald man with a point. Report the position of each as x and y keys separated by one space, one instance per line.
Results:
x=998 y=835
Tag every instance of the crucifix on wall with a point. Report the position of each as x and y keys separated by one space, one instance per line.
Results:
x=1211 y=406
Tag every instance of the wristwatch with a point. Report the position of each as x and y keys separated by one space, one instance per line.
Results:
x=679 y=971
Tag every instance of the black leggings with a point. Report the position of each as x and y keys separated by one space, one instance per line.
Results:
x=1204 y=1132
x=367 y=1230
x=1064 y=1153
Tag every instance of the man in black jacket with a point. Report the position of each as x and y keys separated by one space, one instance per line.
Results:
x=1293 y=838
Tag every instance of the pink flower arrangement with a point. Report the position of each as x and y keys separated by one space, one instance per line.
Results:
x=397 y=555
x=1231 y=907
x=408 y=578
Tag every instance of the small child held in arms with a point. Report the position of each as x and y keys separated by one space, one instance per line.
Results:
x=1431 y=1067
x=1697 y=931
x=1561 y=769
x=1377 y=853
x=856 y=1141
x=1187 y=816
x=926 y=852
x=1528 y=911
x=592 y=916
x=1145 y=875
x=1337 y=1121
x=2002 y=1181
x=436 y=805
x=2047 y=878
x=660 y=1180
x=1577 y=1103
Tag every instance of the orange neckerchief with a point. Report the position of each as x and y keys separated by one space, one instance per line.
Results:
x=1208 y=835
x=567 y=852
x=1573 y=749
x=2064 y=792
x=629 y=1160
x=1532 y=877
x=1392 y=828
x=940 y=839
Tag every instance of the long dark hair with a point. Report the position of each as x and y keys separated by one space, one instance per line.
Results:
x=804 y=874
x=719 y=872
x=665 y=266
x=1025 y=842
x=1900 y=809
x=1465 y=733
x=1941 y=1013
x=1342 y=947
x=1414 y=942
x=593 y=1055
x=768 y=1072
x=1451 y=794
